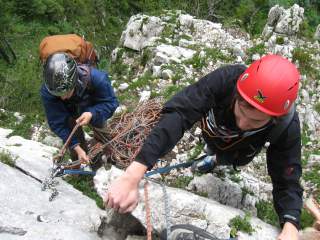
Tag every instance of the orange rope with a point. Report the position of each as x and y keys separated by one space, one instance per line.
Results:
x=148 y=213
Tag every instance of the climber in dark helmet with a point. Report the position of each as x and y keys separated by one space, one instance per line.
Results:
x=241 y=111
x=75 y=94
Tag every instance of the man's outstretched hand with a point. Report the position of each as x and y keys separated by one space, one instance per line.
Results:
x=123 y=194
x=84 y=119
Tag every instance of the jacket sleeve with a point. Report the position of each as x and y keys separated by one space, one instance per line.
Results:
x=284 y=167
x=104 y=99
x=57 y=116
x=186 y=108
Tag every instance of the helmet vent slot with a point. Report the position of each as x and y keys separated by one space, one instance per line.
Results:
x=258 y=66
x=292 y=86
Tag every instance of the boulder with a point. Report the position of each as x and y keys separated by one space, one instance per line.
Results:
x=185 y=207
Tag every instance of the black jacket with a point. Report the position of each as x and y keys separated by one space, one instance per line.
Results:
x=215 y=92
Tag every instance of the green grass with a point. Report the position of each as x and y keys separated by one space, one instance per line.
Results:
x=303 y=56
x=259 y=49
x=246 y=191
x=6 y=158
x=145 y=57
x=211 y=54
x=180 y=182
x=235 y=178
x=142 y=81
x=312 y=175
x=280 y=40
x=194 y=153
x=266 y=212
x=168 y=91
x=21 y=128
x=306 y=219
x=85 y=185
x=242 y=224
x=317 y=107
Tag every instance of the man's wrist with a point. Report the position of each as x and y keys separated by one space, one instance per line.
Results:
x=136 y=171
x=288 y=218
x=78 y=149
x=291 y=225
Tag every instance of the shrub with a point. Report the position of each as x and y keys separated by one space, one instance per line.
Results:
x=241 y=224
x=304 y=59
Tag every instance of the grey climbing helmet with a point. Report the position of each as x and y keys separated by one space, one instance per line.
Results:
x=60 y=74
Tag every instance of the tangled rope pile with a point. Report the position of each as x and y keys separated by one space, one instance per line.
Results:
x=128 y=131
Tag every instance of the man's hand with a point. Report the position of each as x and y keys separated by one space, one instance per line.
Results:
x=84 y=119
x=289 y=232
x=123 y=194
x=82 y=156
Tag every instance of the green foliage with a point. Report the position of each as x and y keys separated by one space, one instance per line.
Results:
x=6 y=158
x=85 y=185
x=304 y=59
x=21 y=128
x=198 y=61
x=180 y=182
x=306 y=219
x=312 y=175
x=259 y=48
x=177 y=69
x=51 y=10
x=252 y=15
x=169 y=91
x=241 y=224
x=246 y=191
x=194 y=153
x=6 y=13
x=101 y=22
x=142 y=81
x=266 y=212
x=235 y=178
x=317 y=107
x=280 y=40
x=146 y=57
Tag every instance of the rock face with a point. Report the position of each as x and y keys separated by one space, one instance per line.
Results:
x=283 y=21
x=141 y=31
x=243 y=195
x=26 y=212
x=186 y=207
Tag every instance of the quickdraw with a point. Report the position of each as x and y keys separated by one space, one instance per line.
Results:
x=61 y=168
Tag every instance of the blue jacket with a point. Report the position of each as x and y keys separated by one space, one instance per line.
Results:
x=93 y=93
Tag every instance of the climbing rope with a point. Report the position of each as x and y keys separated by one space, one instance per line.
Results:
x=148 y=212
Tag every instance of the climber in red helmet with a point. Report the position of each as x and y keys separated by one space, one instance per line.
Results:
x=241 y=111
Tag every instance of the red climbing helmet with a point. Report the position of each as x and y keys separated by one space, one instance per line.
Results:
x=270 y=84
